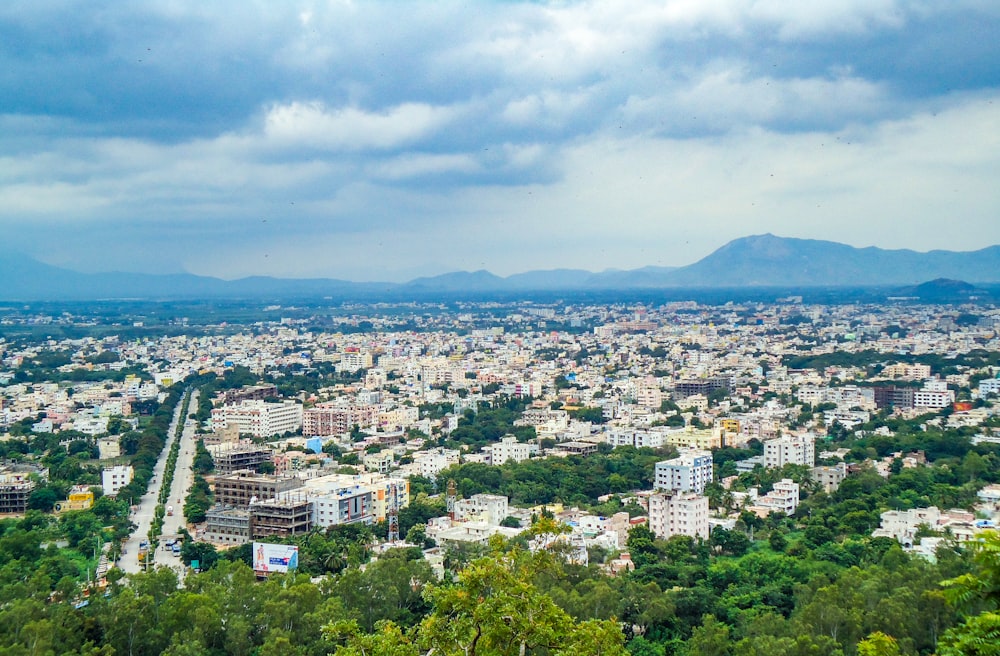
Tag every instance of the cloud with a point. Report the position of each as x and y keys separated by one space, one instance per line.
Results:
x=312 y=125
x=535 y=134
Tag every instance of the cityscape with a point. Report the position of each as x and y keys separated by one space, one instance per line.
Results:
x=521 y=328
x=617 y=439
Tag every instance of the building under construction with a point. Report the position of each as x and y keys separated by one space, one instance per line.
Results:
x=238 y=488
x=229 y=459
x=227 y=525
x=284 y=516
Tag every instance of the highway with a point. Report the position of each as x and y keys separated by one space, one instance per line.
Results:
x=143 y=516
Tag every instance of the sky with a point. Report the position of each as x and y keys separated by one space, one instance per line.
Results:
x=389 y=140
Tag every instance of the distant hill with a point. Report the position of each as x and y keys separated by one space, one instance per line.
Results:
x=770 y=261
x=943 y=290
x=757 y=261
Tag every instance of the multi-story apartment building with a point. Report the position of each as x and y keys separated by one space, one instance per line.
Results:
x=329 y=419
x=259 y=418
x=790 y=450
x=508 y=448
x=115 y=478
x=688 y=472
x=678 y=513
x=488 y=508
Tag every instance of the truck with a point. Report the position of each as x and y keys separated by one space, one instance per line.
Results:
x=143 y=551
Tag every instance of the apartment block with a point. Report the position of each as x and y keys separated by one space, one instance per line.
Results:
x=678 y=513
x=689 y=472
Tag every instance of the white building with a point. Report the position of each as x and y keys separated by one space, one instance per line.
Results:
x=259 y=418
x=115 y=478
x=790 y=450
x=934 y=394
x=688 y=472
x=489 y=509
x=508 y=448
x=351 y=504
x=678 y=513
x=989 y=386
x=431 y=463
x=783 y=498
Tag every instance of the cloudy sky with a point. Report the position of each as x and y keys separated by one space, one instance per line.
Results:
x=381 y=141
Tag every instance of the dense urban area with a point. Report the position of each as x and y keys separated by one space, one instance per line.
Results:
x=750 y=479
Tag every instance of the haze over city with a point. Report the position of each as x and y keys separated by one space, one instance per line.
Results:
x=382 y=141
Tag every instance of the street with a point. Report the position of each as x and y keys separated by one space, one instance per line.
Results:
x=183 y=478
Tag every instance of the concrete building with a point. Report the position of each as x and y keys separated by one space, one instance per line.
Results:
x=15 y=489
x=486 y=508
x=230 y=458
x=830 y=478
x=287 y=515
x=330 y=419
x=783 y=498
x=678 y=513
x=259 y=418
x=115 y=478
x=238 y=488
x=342 y=505
x=790 y=450
x=227 y=525
x=689 y=472
x=508 y=448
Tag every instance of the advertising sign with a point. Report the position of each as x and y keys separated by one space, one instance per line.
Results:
x=269 y=558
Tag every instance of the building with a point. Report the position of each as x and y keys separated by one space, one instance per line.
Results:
x=354 y=361
x=678 y=513
x=250 y=393
x=328 y=419
x=486 y=508
x=783 y=498
x=829 y=478
x=230 y=458
x=227 y=525
x=115 y=478
x=934 y=394
x=80 y=497
x=688 y=472
x=790 y=450
x=508 y=448
x=342 y=505
x=891 y=397
x=907 y=371
x=259 y=418
x=15 y=488
x=238 y=488
x=432 y=462
x=109 y=447
x=380 y=462
x=287 y=515
x=703 y=386
x=989 y=386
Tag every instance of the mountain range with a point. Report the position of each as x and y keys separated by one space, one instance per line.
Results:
x=755 y=261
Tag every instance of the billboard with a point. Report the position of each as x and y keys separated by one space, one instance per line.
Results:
x=269 y=558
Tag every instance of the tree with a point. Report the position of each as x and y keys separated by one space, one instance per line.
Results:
x=492 y=609
x=709 y=639
x=43 y=498
x=979 y=590
x=878 y=644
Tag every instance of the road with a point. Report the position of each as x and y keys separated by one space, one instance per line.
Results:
x=143 y=516
x=179 y=488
